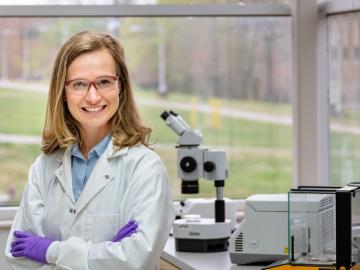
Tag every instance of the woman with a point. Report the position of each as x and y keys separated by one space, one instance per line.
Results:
x=98 y=197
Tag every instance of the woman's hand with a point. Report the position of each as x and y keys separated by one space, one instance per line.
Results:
x=125 y=231
x=30 y=246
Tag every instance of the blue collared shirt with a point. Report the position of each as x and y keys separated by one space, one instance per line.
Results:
x=81 y=169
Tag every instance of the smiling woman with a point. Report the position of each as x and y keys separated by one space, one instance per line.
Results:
x=91 y=197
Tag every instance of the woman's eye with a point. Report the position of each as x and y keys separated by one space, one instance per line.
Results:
x=79 y=84
x=104 y=82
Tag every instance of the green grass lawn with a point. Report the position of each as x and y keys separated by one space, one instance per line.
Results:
x=22 y=112
x=15 y=161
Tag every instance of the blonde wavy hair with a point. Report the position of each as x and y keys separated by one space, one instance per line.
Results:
x=61 y=129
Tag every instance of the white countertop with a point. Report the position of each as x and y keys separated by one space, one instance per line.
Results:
x=200 y=261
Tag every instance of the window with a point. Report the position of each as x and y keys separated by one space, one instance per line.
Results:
x=230 y=77
x=344 y=98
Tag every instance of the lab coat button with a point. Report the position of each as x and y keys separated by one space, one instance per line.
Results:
x=107 y=177
x=72 y=211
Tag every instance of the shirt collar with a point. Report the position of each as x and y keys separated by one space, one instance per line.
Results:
x=97 y=149
x=110 y=152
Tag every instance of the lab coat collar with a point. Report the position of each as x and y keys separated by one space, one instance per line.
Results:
x=64 y=175
x=111 y=151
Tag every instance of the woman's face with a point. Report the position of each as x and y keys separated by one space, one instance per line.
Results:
x=92 y=90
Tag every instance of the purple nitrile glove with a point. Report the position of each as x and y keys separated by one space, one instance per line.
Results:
x=125 y=231
x=30 y=246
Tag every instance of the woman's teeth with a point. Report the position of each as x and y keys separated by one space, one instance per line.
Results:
x=94 y=109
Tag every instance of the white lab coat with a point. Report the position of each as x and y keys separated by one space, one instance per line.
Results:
x=130 y=183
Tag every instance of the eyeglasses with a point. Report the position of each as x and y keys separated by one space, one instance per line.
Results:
x=82 y=86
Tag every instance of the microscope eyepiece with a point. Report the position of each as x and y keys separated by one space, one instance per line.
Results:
x=175 y=122
x=164 y=115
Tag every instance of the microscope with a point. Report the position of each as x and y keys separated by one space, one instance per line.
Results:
x=193 y=233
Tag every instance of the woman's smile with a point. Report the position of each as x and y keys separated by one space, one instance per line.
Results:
x=94 y=109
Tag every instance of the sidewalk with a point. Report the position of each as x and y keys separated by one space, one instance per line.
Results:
x=24 y=86
x=19 y=139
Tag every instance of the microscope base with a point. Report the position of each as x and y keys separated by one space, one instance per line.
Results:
x=201 y=245
x=201 y=235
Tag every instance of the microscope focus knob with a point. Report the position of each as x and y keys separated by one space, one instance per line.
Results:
x=209 y=166
x=188 y=164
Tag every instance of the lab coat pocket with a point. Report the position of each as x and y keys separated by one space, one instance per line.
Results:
x=101 y=227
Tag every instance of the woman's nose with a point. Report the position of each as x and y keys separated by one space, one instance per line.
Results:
x=92 y=94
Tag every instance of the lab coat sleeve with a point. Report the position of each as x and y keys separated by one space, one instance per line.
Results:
x=149 y=202
x=28 y=218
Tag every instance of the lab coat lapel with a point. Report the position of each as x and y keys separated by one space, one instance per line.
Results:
x=63 y=174
x=99 y=178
